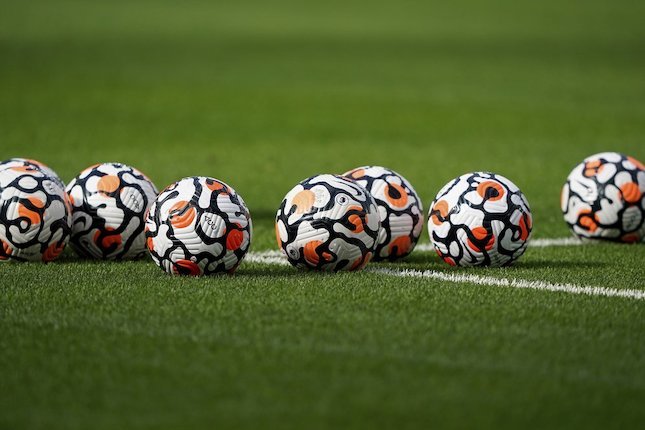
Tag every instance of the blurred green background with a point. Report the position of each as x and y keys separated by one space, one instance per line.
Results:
x=264 y=94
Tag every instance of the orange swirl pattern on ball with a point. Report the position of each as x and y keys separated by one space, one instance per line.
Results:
x=24 y=211
x=439 y=209
x=234 y=239
x=490 y=190
x=108 y=184
x=182 y=214
x=631 y=192
x=401 y=245
x=186 y=267
x=396 y=195
x=304 y=201
x=108 y=240
x=52 y=252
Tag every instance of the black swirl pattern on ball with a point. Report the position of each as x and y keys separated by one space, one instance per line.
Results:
x=89 y=219
x=24 y=223
x=324 y=254
x=392 y=195
x=213 y=262
x=481 y=240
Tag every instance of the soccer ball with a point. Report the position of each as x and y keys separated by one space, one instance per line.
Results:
x=34 y=215
x=400 y=210
x=29 y=165
x=604 y=198
x=109 y=202
x=480 y=219
x=198 y=226
x=328 y=222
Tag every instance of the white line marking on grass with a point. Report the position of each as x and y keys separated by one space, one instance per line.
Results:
x=277 y=258
x=513 y=283
x=533 y=243
x=561 y=241
x=267 y=257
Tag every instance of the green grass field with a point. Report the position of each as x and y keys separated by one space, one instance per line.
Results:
x=264 y=94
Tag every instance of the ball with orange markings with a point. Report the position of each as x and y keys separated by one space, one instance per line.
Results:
x=604 y=198
x=109 y=202
x=35 y=215
x=198 y=226
x=480 y=219
x=328 y=222
x=400 y=210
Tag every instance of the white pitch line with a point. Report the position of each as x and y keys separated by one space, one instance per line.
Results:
x=514 y=283
x=277 y=258
x=533 y=243
x=560 y=241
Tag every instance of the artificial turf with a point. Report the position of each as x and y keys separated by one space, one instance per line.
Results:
x=264 y=94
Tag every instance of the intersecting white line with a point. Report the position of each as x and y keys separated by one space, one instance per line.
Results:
x=275 y=257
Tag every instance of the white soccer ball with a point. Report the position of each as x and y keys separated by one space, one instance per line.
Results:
x=480 y=219
x=604 y=198
x=400 y=210
x=328 y=222
x=34 y=215
x=198 y=226
x=109 y=202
